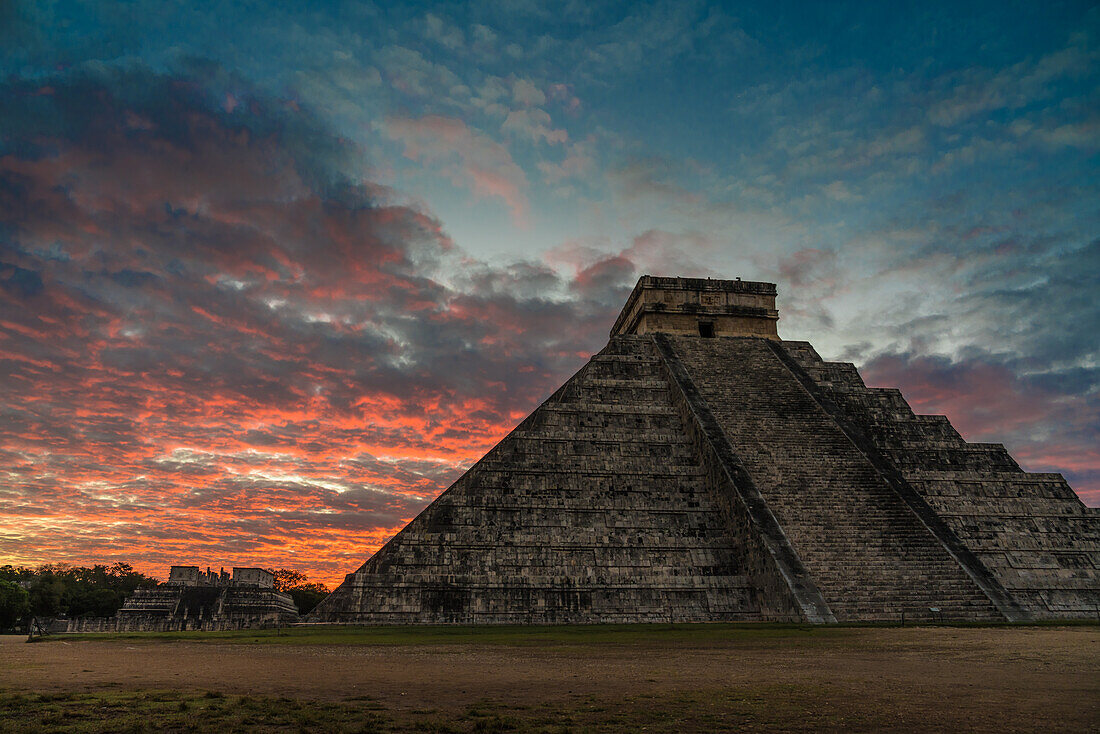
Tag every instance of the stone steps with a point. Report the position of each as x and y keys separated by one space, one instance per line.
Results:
x=979 y=491
x=864 y=548
x=557 y=432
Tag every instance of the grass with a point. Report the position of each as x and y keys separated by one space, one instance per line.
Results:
x=893 y=685
x=143 y=711
x=519 y=635
x=768 y=707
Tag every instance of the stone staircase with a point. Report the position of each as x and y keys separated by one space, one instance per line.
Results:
x=1030 y=530
x=868 y=552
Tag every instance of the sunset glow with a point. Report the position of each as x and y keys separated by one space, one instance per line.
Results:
x=269 y=284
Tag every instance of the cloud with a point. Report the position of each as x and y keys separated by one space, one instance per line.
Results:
x=563 y=95
x=526 y=94
x=470 y=159
x=446 y=35
x=218 y=347
x=579 y=163
x=979 y=91
x=652 y=177
x=410 y=72
x=221 y=335
x=658 y=33
x=808 y=267
x=533 y=124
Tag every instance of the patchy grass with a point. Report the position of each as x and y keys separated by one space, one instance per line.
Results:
x=651 y=678
x=629 y=634
x=174 y=711
x=662 y=678
x=766 y=707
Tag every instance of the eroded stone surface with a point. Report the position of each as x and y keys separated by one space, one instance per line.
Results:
x=685 y=478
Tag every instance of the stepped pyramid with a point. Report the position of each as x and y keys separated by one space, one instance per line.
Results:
x=699 y=468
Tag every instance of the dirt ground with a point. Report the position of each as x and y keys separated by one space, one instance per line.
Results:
x=992 y=679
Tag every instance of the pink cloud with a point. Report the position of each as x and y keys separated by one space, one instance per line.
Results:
x=471 y=159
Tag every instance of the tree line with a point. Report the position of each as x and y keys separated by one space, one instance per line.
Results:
x=58 y=589
x=61 y=590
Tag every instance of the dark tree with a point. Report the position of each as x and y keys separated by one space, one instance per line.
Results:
x=47 y=596
x=15 y=604
x=307 y=596
x=60 y=589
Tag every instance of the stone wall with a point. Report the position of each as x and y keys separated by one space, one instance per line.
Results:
x=138 y=623
x=698 y=306
x=171 y=608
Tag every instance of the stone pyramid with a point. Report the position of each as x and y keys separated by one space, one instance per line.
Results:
x=699 y=468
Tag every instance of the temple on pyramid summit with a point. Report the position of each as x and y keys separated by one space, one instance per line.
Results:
x=701 y=469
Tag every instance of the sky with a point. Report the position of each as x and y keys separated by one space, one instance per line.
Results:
x=273 y=274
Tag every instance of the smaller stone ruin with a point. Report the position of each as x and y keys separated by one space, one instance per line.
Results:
x=194 y=599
